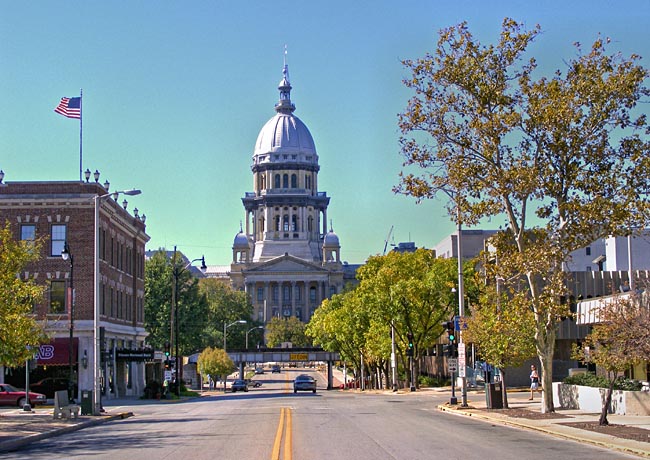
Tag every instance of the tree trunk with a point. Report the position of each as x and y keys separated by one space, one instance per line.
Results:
x=504 y=395
x=606 y=405
x=545 y=350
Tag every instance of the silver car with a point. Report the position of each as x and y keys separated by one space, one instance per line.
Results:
x=304 y=382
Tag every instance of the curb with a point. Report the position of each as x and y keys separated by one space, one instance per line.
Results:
x=571 y=437
x=13 y=444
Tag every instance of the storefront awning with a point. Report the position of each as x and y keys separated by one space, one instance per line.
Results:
x=57 y=352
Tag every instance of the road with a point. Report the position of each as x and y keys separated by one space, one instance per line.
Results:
x=271 y=422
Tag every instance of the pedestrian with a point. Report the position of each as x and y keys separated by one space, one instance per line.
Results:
x=534 y=381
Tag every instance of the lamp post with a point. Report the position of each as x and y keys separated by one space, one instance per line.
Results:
x=67 y=255
x=97 y=402
x=175 y=329
x=252 y=329
x=225 y=328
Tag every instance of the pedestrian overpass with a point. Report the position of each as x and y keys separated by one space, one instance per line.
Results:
x=284 y=355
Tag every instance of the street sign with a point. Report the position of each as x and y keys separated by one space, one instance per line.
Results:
x=461 y=360
x=168 y=375
x=452 y=364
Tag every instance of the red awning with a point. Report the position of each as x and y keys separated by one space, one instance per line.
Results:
x=57 y=353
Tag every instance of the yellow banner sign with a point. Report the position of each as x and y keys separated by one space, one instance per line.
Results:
x=298 y=356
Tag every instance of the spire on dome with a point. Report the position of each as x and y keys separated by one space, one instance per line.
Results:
x=285 y=105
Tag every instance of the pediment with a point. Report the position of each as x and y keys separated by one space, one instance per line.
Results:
x=287 y=263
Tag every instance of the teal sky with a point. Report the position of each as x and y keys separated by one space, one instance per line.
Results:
x=175 y=94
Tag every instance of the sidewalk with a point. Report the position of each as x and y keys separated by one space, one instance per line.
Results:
x=526 y=414
x=19 y=428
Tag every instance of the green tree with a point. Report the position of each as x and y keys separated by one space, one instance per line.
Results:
x=289 y=329
x=413 y=291
x=225 y=306
x=620 y=339
x=18 y=327
x=214 y=362
x=191 y=304
x=564 y=153
x=501 y=326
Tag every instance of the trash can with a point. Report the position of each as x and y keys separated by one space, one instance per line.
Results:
x=86 y=402
x=494 y=395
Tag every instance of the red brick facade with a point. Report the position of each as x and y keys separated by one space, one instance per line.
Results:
x=60 y=212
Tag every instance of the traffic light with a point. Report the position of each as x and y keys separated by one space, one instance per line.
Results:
x=409 y=350
x=168 y=364
x=167 y=349
x=451 y=331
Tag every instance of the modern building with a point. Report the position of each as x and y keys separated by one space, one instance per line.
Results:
x=284 y=256
x=63 y=216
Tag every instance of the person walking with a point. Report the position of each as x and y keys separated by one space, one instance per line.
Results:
x=534 y=381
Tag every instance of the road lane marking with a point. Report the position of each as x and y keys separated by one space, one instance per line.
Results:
x=284 y=426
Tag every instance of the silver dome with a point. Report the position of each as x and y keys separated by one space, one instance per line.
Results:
x=284 y=133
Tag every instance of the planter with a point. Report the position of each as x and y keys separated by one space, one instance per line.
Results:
x=590 y=399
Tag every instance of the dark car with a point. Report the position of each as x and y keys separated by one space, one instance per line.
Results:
x=50 y=385
x=275 y=369
x=239 y=385
x=304 y=382
x=11 y=396
x=253 y=383
x=259 y=370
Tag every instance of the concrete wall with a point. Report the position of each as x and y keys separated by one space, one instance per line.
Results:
x=591 y=399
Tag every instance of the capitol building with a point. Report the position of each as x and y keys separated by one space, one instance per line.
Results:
x=284 y=256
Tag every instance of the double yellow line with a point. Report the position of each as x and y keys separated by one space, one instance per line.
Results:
x=284 y=427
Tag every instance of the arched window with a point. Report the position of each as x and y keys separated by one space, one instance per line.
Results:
x=310 y=224
x=294 y=181
x=294 y=223
x=277 y=181
x=308 y=182
x=285 y=223
x=285 y=181
x=277 y=223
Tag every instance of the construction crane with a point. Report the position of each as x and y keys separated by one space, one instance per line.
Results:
x=390 y=232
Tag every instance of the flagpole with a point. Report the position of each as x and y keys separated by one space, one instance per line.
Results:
x=80 y=132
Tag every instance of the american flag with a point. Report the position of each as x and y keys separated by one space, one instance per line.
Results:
x=69 y=107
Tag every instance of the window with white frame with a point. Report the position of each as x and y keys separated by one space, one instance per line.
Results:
x=57 y=238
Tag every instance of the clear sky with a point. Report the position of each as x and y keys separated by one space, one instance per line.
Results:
x=175 y=93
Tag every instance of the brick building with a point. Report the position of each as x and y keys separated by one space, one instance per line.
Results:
x=62 y=214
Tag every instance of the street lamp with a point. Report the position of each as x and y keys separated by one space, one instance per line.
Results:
x=97 y=402
x=67 y=255
x=225 y=327
x=252 y=329
x=175 y=331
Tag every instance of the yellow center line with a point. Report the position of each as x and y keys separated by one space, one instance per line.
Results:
x=288 y=436
x=285 y=415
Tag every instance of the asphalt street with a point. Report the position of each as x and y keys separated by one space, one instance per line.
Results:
x=271 y=422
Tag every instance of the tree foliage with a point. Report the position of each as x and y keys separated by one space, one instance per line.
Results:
x=562 y=158
x=225 y=306
x=192 y=308
x=214 y=362
x=411 y=291
x=289 y=329
x=619 y=340
x=18 y=327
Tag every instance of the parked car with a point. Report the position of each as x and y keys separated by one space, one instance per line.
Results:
x=259 y=370
x=275 y=369
x=239 y=385
x=11 y=396
x=50 y=385
x=253 y=383
x=304 y=382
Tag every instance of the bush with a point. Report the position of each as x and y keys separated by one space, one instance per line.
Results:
x=428 y=381
x=589 y=379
